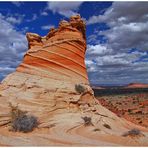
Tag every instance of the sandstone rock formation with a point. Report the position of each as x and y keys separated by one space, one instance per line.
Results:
x=137 y=85
x=44 y=86
x=59 y=55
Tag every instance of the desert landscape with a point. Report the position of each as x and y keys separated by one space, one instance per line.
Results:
x=129 y=102
x=48 y=100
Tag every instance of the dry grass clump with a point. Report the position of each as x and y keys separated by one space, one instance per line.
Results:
x=79 y=88
x=96 y=129
x=132 y=133
x=22 y=122
x=107 y=126
x=87 y=121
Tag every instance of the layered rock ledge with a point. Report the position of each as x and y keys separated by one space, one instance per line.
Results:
x=60 y=54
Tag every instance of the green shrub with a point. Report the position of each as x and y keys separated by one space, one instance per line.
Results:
x=79 y=88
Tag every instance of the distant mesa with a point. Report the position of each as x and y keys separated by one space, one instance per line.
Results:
x=97 y=87
x=137 y=85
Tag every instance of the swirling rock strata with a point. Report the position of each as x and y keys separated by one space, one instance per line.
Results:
x=60 y=54
x=44 y=86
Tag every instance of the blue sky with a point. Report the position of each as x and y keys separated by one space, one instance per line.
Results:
x=117 y=36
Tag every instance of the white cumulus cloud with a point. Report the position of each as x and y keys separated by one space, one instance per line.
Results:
x=64 y=8
x=112 y=61
x=13 y=45
x=47 y=27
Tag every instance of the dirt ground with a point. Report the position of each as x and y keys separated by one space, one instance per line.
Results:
x=133 y=107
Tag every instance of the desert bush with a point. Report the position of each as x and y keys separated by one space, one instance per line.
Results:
x=87 y=121
x=129 y=110
x=132 y=132
x=79 y=88
x=139 y=112
x=96 y=129
x=140 y=122
x=107 y=126
x=22 y=122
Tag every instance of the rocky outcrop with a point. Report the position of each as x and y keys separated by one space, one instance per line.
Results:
x=44 y=85
x=59 y=55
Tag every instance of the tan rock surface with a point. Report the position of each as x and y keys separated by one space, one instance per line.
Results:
x=44 y=86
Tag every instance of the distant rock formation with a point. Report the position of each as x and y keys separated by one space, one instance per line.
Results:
x=98 y=87
x=137 y=85
x=52 y=85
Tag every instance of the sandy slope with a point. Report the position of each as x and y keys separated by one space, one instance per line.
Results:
x=61 y=120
